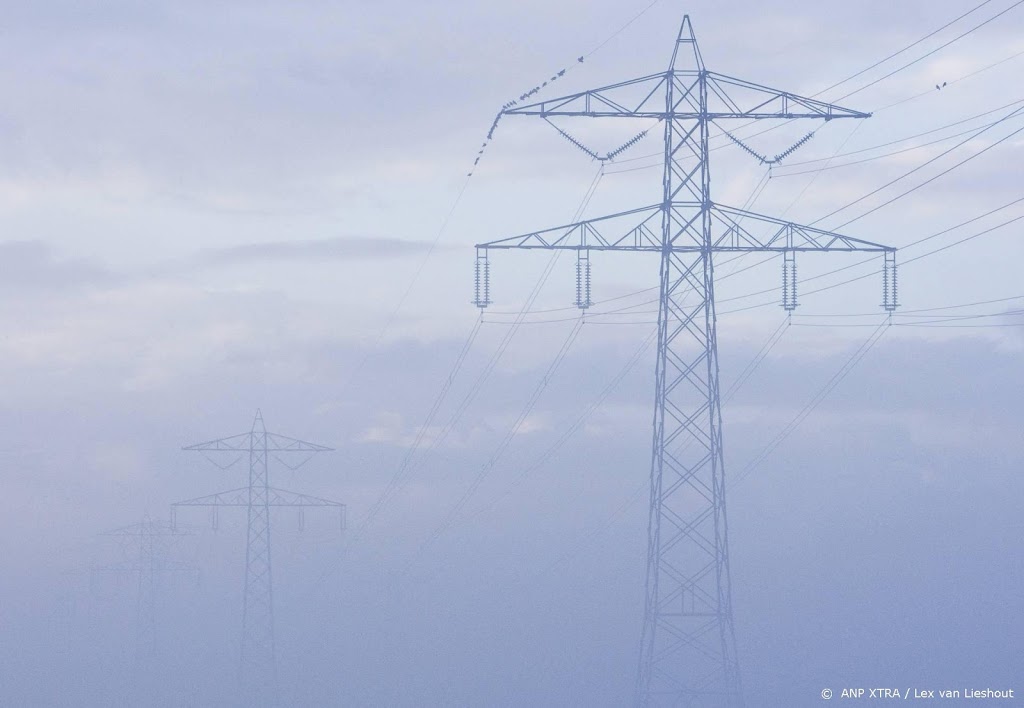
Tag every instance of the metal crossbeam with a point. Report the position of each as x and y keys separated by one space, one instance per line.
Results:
x=275 y=497
x=274 y=443
x=728 y=233
x=647 y=97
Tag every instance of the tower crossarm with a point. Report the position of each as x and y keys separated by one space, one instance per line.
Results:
x=136 y=567
x=634 y=98
x=640 y=230
x=148 y=529
x=727 y=98
x=283 y=443
x=282 y=497
x=234 y=443
x=242 y=442
x=633 y=230
x=732 y=230
x=234 y=497
x=275 y=497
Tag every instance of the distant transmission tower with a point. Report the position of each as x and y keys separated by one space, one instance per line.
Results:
x=258 y=668
x=688 y=647
x=146 y=547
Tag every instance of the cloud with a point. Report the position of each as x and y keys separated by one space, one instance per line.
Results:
x=341 y=248
x=30 y=266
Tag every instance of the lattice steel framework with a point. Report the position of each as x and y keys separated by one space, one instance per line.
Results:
x=688 y=647
x=146 y=547
x=258 y=666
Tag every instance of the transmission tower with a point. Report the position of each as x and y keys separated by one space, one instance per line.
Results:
x=146 y=547
x=688 y=646
x=258 y=668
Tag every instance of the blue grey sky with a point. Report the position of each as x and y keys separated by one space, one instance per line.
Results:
x=214 y=207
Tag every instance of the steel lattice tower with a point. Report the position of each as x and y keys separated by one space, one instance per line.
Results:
x=258 y=667
x=688 y=647
x=146 y=546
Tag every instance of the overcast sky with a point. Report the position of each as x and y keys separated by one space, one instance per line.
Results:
x=214 y=207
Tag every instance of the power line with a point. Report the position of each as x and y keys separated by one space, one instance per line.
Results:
x=884 y=155
x=402 y=475
x=607 y=523
x=876 y=110
x=908 y=137
x=911 y=313
x=868 y=275
x=762 y=353
x=754 y=363
x=937 y=49
x=487 y=467
x=903 y=176
x=575 y=426
x=964 y=240
x=357 y=370
x=815 y=401
x=951 y=81
x=622 y=29
x=904 y=49
x=451 y=212
x=865 y=262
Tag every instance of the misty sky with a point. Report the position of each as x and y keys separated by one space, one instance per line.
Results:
x=211 y=208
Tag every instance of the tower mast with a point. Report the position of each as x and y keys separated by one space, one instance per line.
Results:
x=688 y=651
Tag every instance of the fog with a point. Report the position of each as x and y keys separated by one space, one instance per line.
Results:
x=214 y=210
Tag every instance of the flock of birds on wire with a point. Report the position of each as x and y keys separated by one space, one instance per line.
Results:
x=612 y=154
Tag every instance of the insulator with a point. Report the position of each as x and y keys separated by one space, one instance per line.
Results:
x=625 y=146
x=796 y=146
x=763 y=159
x=890 y=289
x=482 y=281
x=757 y=156
x=586 y=283
x=574 y=141
x=789 y=299
x=583 y=300
x=579 y=283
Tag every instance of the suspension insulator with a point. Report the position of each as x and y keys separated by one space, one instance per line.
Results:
x=482 y=280
x=890 y=287
x=789 y=299
x=583 y=279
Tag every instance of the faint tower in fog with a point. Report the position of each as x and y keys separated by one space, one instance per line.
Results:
x=258 y=666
